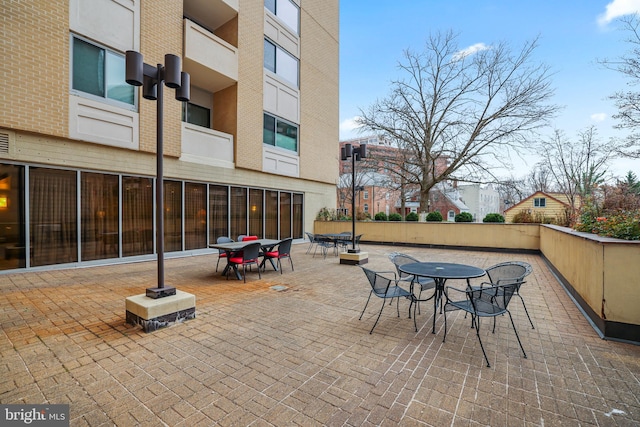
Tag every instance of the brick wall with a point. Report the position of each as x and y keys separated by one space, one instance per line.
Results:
x=34 y=47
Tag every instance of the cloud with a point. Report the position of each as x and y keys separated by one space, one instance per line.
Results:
x=599 y=117
x=349 y=126
x=470 y=51
x=617 y=9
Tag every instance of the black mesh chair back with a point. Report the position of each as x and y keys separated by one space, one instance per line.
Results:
x=384 y=287
x=283 y=250
x=400 y=259
x=511 y=272
x=250 y=255
x=506 y=272
x=491 y=301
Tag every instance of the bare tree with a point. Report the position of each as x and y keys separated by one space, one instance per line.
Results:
x=511 y=191
x=628 y=102
x=456 y=112
x=540 y=178
x=578 y=166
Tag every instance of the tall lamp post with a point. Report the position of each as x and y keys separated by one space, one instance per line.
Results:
x=151 y=79
x=356 y=154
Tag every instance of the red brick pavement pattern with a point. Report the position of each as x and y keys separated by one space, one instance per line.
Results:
x=257 y=356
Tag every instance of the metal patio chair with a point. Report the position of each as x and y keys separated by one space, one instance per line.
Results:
x=385 y=288
x=424 y=283
x=510 y=272
x=491 y=301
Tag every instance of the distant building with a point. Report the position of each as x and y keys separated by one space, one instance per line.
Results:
x=543 y=207
x=480 y=199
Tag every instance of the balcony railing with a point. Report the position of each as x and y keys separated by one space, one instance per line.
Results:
x=206 y=146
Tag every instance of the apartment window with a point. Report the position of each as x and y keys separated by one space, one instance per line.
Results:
x=196 y=115
x=540 y=202
x=279 y=133
x=366 y=207
x=280 y=62
x=287 y=11
x=365 y=194
x=100 y=72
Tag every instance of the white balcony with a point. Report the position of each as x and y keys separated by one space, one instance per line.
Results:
x=211 y=61
x=206 y=146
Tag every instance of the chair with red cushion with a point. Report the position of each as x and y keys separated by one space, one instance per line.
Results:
x=221 y=252
x=248 y=238
x=283 y=250
x=250 y=255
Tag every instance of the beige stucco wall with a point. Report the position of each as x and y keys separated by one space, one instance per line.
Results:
x=509 y=236
x=603 y=271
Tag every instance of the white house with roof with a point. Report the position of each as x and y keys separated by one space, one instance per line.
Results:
x=480 y=199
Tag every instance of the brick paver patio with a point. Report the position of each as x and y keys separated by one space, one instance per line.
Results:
x=300 y=356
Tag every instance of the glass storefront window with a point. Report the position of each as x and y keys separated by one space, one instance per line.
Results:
x=99 y=216
x=172 y=216
x=115 y=215
x=137 y=216
x=255 y=212
x=238 y=212
x=12 y=217
x=285 y=215
x=271 y=219
x=53 y=216
x=195 y=216
x=218 y=212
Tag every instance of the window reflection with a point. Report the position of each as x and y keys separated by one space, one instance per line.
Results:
x=12 y=230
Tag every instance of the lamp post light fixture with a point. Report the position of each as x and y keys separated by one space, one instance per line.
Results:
x=356 y=154
x=152 y=79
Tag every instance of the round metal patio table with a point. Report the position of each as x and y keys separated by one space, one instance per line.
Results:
x=440 y=272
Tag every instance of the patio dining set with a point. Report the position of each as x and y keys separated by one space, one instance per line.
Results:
x=247 y=251
x=489 y=298
x=332 y=242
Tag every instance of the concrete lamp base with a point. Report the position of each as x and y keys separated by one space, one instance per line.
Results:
x=357 y=258
x=153 y=314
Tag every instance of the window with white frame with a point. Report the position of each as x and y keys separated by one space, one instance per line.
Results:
x=366 y=207
x=287 y=11
x=280 y=62
x=365 y=195
x=539 y=202
x=100 y=73
x=279 y=133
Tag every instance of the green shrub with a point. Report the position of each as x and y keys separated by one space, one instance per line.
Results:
x=380 y=216
x=412 y=216
x=395 y=217
x=493 y=217
x=434 y=216
x=326 y=214
x=620 y=224
x=464 y=217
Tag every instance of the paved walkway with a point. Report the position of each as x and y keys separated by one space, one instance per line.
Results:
x=300 y=356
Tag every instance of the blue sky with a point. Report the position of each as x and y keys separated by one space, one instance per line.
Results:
x=573 y=35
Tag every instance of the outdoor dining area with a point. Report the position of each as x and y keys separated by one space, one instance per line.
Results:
x=247 y=251
x=304 y=347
